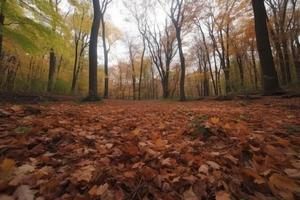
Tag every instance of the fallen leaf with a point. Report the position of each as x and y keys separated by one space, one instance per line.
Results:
x=215 y=120
x=222 y=195
x=130 y=174
x=168 y=162
x=189 y=195
x=24 y=192
x=213 y=164
x=232 y=159
x=98 y=190
x=6 y=197
x=279 y=182
x=84 y=173
x=7 y=168
x=293 y=173
x=203 y=169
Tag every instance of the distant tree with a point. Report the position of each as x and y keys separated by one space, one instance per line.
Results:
x=269 y=75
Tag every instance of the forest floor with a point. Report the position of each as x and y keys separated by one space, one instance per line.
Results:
x=151 y=150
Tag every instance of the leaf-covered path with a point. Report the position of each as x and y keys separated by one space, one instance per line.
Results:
x=151 y=150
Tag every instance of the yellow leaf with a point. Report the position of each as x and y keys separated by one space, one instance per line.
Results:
x=215 y=120
x=8 y=165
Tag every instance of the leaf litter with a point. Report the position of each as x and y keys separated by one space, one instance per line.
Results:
x=150 y=150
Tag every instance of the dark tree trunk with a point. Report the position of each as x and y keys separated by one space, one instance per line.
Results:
x=75 y=65
x=227 y=80
x=93 y=64
x=182 y=65
x=52 y=69
x=269 y=75
x=2 y=18
x=241 y=69
x=105 y=52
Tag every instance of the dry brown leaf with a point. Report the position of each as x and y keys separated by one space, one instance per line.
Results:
x=6 y=197
x=84 y=173
x=168 y=162
x=232 y=159
x=24 y=192
x=98 y=190
x=159 y=143
x=213 y=164
x=203 y=169
x=16 y=108
x=253 y=174
x=293 y=173
x=130 y=174
x=131 y=149
x=222 y=195
x=189 y=195
x=279 y=182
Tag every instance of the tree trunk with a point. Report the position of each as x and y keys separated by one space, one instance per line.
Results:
x=241 y=69
x=269 y=75
x=286 y=60
x=93 y=64
x=281 y=62
x=75 y=66
x=254 y=68
x=141 y=68
x=182 y=65
x=52 y=69
x=105 y=53
x=227 y=81
x=2 y=18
